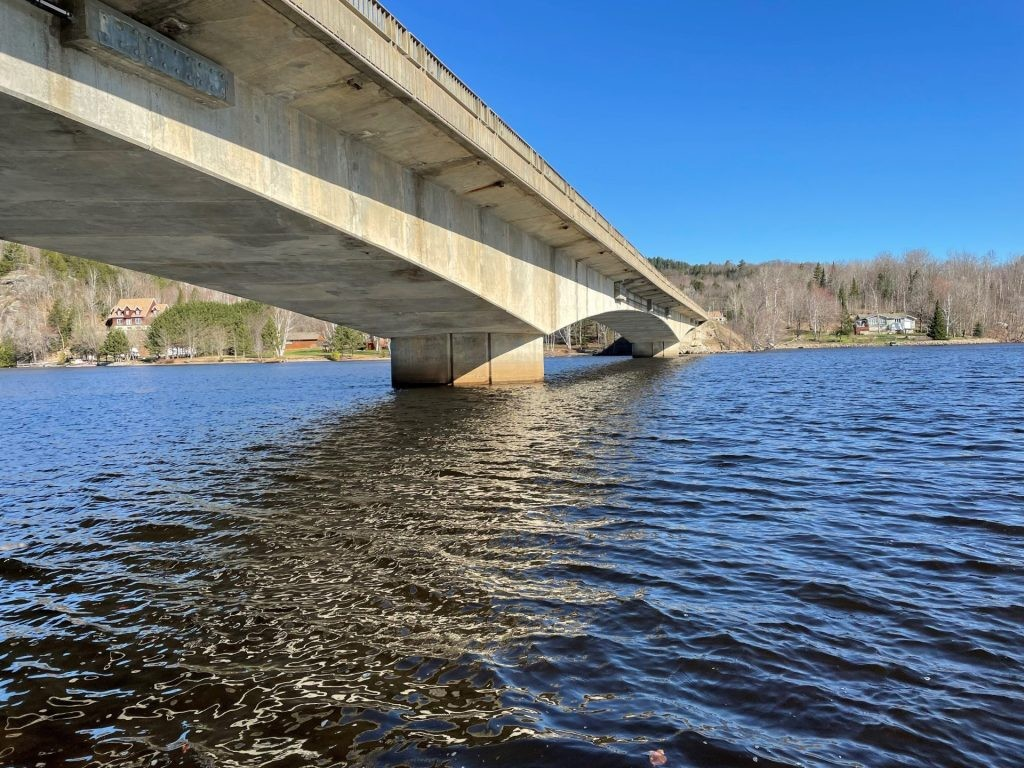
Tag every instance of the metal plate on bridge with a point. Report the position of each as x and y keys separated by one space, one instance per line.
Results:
x=125 y=43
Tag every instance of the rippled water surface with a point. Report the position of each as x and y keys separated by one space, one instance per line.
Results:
x=806 y=558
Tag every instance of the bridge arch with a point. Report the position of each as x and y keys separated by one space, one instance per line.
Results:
x=650 y=335
x=636 y=326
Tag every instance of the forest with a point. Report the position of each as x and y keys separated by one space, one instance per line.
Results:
x=772 y=302
x=52 y=306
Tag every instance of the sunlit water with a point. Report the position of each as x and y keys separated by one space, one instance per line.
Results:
x=806 y=558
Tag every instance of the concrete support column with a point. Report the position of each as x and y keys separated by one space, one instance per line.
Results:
x=656 y=349
x=466 y=359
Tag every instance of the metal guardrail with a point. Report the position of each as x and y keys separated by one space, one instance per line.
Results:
x=52 y=8
x=392 y=30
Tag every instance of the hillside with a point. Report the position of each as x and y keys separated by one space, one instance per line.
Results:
x=53 y=306
x=772 y=302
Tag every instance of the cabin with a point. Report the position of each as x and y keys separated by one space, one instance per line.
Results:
x=135 y=313
x=885 y=324
x=303 y=340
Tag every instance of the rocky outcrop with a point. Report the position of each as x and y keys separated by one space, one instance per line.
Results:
x=713 y=336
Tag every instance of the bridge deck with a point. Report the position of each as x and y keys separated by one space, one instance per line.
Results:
x=352 y=65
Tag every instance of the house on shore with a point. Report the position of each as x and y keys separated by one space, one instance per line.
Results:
x=901 y=323
x=717 y=316
x=303 y=340
x=134 y=313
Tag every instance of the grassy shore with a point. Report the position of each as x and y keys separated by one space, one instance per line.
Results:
x=876 y=340
x=319 y=354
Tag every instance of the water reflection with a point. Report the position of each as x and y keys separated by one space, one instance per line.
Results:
x=354 y=592
x=734 y=559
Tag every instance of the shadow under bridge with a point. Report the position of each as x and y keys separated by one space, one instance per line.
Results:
x=649 y=334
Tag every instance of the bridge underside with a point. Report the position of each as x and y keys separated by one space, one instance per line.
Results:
x=268 y=199
x=70 y=188
x=73 y=189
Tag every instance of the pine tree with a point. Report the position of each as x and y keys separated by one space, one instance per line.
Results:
x=819 y=275
x=115 y=345
x=846 y=327
x=269 y=336
x=10 y=257
x=7 y=356
x=937 y=328
x=61 y=318
x=979 y=330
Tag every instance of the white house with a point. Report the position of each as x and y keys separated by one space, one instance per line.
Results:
x=885 y=324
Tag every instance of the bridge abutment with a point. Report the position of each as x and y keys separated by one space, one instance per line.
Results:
x=466 y=359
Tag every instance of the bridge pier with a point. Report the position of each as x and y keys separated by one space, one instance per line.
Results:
x=466 y=359
x=656 y=349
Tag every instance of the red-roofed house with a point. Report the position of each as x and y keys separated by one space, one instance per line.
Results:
x=136 y=313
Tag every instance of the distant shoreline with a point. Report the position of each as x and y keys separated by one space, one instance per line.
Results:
x=886 y=342
x=788 y=346
x=225 y=361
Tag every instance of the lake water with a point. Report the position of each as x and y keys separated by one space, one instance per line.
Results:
x=790 y=559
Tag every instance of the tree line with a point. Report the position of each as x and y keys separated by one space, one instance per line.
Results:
x=210 y=328
x=53 y=306
x=770 y=302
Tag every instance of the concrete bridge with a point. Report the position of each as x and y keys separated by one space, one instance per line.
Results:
x=313 y=155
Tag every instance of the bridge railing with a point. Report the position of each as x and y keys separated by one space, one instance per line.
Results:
x=579 y=209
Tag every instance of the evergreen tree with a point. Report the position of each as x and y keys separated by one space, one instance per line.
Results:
x=854 y=290
x=344 y=341
x=846 y=327
x=193 y=324
x=819 y=275
x=979 y=330
x=61 y=319
x=269 y=337
x=115 y=345
x=842 y=298
x=937 y=327
x=7 y=357
x=10 y=257
x=884 y=286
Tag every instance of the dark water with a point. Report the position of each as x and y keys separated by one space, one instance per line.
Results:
x=807 y=558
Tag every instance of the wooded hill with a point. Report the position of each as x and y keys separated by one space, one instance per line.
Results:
x=771 y=302
x=53 y=306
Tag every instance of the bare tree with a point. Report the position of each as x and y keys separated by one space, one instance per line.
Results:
x=283 y=320
x=822 y=309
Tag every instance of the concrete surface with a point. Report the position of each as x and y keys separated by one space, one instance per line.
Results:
x=341 y=183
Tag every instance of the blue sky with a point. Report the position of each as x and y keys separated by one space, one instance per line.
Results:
x=760 y=129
